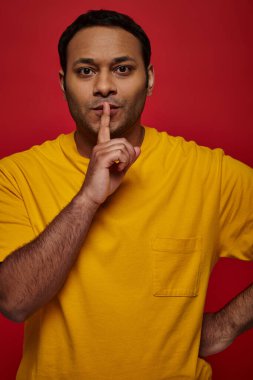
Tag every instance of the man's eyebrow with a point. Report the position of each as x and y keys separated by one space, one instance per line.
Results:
x=123 y=59
x=84 y=60
x=91 y=61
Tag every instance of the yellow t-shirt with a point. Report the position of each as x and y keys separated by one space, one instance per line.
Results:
x=132 y=305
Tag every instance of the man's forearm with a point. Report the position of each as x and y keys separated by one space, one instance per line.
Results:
x=220 y=329
x=32 y=275
x=239 y=311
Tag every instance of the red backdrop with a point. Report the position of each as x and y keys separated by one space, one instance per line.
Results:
x=203 y=56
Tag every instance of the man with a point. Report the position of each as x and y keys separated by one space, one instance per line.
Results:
x=108 y=235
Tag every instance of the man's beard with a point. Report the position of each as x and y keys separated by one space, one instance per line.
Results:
x=117 y=128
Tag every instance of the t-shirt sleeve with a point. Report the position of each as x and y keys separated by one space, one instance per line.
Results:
x=15 y=227
x=236 y=210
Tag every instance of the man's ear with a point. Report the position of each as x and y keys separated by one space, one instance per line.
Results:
x=62 y=82
x=151 y=79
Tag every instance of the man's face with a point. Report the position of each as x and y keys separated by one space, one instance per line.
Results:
x=106 y=64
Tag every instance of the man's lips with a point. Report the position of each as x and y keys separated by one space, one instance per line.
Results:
x=99 y=109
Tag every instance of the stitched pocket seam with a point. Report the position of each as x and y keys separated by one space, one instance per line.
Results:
x=176 y=267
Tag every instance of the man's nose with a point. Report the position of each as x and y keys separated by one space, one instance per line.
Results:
x=104 y=85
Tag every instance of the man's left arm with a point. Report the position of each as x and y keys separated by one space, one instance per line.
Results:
x=221 y=328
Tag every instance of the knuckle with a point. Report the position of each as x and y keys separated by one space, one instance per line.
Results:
x=123 y=141
x=95 y=152
x=122 y=147
x=95 y=149
x=98 y=155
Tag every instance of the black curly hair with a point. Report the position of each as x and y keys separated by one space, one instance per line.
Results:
x=104 y=18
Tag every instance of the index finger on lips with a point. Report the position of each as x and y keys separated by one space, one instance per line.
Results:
x=104 y=128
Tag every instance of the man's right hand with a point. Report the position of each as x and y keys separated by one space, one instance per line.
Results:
x=110 y=160
x=32 y=275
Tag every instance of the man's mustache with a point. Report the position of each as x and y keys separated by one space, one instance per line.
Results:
x=112 y=102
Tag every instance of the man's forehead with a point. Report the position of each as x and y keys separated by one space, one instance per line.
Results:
x=97 y=41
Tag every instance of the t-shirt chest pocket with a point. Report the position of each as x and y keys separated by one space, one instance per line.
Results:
x=176 y=266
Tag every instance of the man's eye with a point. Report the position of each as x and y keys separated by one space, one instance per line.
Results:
x=85 y=71
x=123 y=69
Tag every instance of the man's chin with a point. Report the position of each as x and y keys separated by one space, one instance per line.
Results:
x=117 y=131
